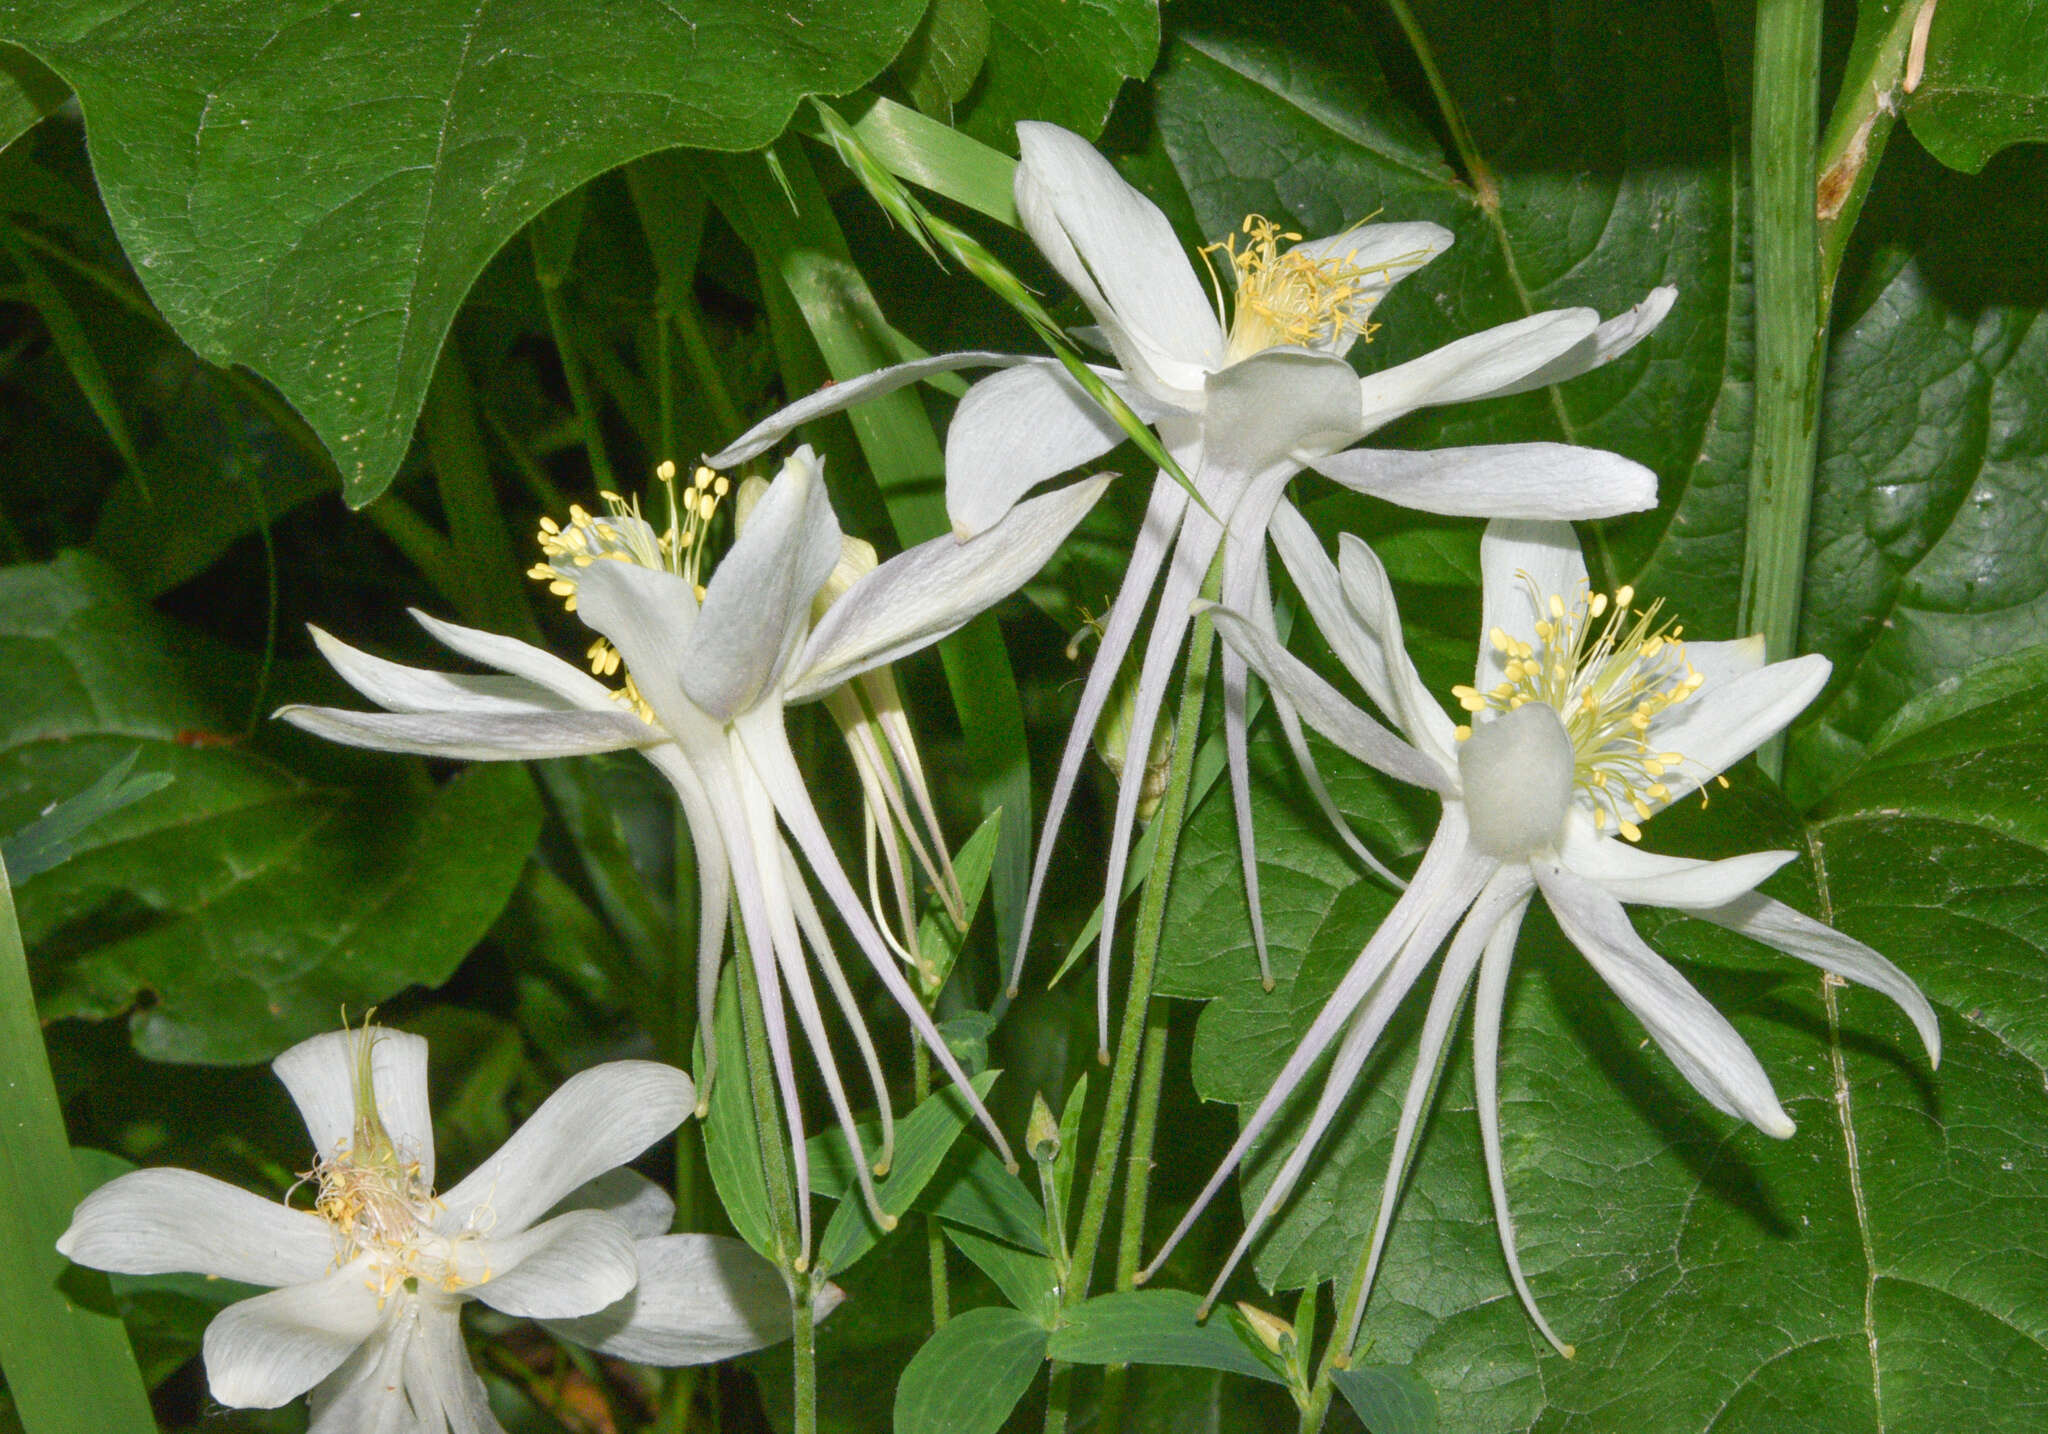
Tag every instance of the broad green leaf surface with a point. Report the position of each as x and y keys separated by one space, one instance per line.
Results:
x=732 y=1145
x=1881 y=1269
x=417 y=137
x=1986 y=80
x=1154 y=1327
x=1058 y=60
x=28 y=91
x=970 y=1375
x=1027 y=1281
x=240 y=908
x=939 y=65
x=1930 y=521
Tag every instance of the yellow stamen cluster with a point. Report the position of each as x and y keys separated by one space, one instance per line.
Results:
x=622 y=534
x=378 y=1201
x=1607 y=672
x=1292 y=297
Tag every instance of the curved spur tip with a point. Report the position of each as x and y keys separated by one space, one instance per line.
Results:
x=1267 y=982
x=1102 y=1055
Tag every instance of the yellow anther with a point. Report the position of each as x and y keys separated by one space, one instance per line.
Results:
x=1624 y=595
x=665 y=470
x=1631 y=831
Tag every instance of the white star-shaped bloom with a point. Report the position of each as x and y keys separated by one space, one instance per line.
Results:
x=1587 y=718
x=1243 y=405
x=368 y=1285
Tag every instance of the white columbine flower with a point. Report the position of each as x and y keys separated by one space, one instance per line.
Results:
x=1242 y=405
x=710 y=668
x=1587 y=718
x=369 y=1284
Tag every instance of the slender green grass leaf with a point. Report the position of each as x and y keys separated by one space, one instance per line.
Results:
x=970 y=1375
x=47 y=840
x=934 y=156
x=67 y=1359
x=75 y=346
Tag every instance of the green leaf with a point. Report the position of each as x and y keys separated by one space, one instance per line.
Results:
x=938 y=157
x=1388 y=1399
x=1059 y=60
x=69 y=334
x=732 y=1146
x=922 y=1139
x=419 y=137
x=1027 y=1281
x=939 y=941
x=47 y=841
x=69 y=1366
x=970 y=1375
x=939 y=65
x=1986 y=81
x=28 y=91
x=244 y=905
x=1153 y=1327
x=1925 y=557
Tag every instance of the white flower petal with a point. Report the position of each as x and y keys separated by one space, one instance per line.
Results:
x=574 y=1264
x=1721 y=662
x=399 y=688
x=597 y=1119
x=440 y=1383
x=1475 y=366
x=156 y=1222
x=1642 y=878
x=1706 y=1049
x=1163 y=515
x=1500 y=480
x=366 y=1394
x=920 y=596
x=1724 y=722
x=521 y=659
x=1514 y=557
x=1370 y=596
x=1280 y=406
x=701 y=1298
x=478 y=736
x=758 y=604
x=1327 y=709
x=649 y=617
x=265 y=1351
x=1796 y=934
x=1486 y=1008
x=320 y=1074
x=1017 y=428
x=1120 y=255
x=629 y=1197
x=844 y=394
x=1610 y=341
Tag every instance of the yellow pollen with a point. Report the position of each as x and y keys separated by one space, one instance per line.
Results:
x=1295 y=297
x=1609 y=673
x=623 y=534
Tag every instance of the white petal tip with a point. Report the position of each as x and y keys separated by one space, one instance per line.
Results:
x=1569 y=1351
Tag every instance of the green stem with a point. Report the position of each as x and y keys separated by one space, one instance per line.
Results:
x=1137 y=1186
x=1791 y=333
x=1866 y=108
x=1131 y=1037
x=934 y=1236
x=571 y=356
x=689 y=322
x=775 y=1166
x=67 y=1359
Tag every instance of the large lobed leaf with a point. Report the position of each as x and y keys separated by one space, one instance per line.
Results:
x=242 y=906
x=310 y=187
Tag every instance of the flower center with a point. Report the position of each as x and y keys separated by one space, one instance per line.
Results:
x=1295 y=298
x=621 y=534
x=1606 y=672
x=379 y=1204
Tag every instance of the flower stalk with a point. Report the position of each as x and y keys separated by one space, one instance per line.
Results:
x=1791 y=345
